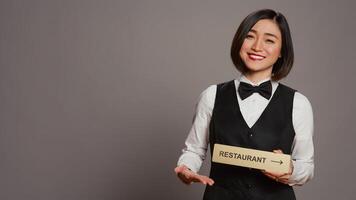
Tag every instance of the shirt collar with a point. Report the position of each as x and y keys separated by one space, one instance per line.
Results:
x=244 y=79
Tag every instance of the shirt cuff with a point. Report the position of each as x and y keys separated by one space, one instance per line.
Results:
x=302 y=173
x=191 y=160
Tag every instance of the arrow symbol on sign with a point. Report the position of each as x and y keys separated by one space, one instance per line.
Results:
x=280 y=162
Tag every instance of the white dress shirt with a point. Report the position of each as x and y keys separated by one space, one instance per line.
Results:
x=196 y=144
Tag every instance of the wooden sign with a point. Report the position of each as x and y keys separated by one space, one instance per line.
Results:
x=244 y=157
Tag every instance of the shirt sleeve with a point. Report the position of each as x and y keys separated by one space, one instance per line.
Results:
x=302 y=148
x=197 y=141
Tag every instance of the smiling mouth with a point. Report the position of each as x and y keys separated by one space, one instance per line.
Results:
x=255 y=56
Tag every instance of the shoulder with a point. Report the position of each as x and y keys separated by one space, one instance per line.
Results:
x=207 y=98
x=301 y=102
x=285 y=87
x=303 y=120
x=208 y=95
x=208 y=92
x=302 y=114
x=225 y=84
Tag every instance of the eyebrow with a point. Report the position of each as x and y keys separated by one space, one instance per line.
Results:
x=269 y=34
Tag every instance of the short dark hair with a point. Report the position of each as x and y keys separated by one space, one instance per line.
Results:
x=283 y=65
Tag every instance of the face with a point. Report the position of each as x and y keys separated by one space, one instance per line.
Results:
x=262 y=47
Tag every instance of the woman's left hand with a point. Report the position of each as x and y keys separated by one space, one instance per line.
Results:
x=282 y=178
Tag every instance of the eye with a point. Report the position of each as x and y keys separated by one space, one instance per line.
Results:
x=270 y=41
x=249 y=36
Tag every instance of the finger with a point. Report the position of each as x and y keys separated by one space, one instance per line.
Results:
x=269 y=175
x=285 y=181
x=199 y=178
x=273 y=173
x=184 y=179
x=208 y=180
x=274 y=177
x=188 y=176
x=178 y=169
x=181 y=168
x=285 y=176
x=203 y=179
x=282 y=179
x=184 y=174
x=278 y=151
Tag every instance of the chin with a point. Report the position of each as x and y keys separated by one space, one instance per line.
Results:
x=258 y=69
x=254 y=68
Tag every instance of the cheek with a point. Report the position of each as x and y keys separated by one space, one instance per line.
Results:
x=274 y=51
x=247 y=44
x=244 y=47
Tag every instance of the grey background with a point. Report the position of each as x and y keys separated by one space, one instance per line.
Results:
x=97 y=97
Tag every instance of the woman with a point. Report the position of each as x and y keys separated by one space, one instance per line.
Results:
x=254 y=111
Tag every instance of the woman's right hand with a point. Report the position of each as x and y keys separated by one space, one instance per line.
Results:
x=187 y=176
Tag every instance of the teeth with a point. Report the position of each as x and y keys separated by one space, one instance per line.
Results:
x=256 y=57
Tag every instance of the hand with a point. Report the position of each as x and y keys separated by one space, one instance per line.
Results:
x=282 y=178
x=187 y=176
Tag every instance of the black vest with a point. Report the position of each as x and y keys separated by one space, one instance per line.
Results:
x=273 y=130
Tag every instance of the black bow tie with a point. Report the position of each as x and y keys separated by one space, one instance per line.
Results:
x=264 y=89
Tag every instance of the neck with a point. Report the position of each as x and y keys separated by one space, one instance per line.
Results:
x=256 y=77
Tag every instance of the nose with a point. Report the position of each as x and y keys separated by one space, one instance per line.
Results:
x=257 y=45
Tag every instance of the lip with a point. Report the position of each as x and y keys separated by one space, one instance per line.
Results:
x=254 y=56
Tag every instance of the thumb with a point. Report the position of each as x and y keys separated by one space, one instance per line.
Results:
x=180 y=169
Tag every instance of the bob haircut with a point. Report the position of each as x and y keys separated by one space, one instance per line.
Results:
x=283 y=65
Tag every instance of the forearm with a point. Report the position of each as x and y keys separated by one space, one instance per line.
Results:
x=303 y=147
x=197 y=141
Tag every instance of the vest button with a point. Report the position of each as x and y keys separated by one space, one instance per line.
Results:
x=249 y=186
